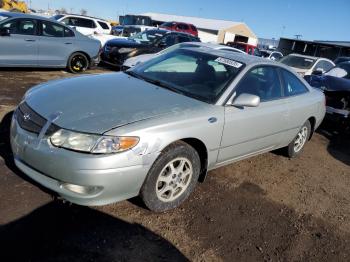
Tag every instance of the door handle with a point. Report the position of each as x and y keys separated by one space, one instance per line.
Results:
x=68 y=43
x=29 y=40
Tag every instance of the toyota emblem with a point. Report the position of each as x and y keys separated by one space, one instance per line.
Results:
x=26 y=117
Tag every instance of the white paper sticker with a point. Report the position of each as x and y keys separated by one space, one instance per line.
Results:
x=228 y=62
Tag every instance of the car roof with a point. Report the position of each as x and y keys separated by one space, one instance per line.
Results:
x=215 y=46
x=85 y=16
x=22 y=15
x=239 y=57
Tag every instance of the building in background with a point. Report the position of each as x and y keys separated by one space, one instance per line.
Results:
x=327 y=49
x=212 y=30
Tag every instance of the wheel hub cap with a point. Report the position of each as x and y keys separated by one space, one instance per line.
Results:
x=174 y=179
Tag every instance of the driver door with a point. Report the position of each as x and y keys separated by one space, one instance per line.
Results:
x=252 y=130
x=20 y=48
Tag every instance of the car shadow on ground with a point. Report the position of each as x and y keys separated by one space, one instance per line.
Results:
x=243 y=224
x=339 y=141
x=58 y=232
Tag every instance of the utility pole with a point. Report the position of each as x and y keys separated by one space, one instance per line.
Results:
x=298 y=36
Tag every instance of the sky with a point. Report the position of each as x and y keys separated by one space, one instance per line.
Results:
x=313 y=19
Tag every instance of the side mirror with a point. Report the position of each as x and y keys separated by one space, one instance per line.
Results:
x=5 y=32
x=245 y=100
x=317 y=72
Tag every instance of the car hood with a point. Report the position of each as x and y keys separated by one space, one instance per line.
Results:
x=98 y=103
x=124 y=43
x=329 y=83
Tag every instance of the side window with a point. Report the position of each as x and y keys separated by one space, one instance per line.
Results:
x=24 y=27
x=276 y=56
x=323 y=65
x=183 y=27
x=52 y=29
x=327 y=66
x=11 y=25
x=82 y=22
x=261 y=81
x=68 y=21
x=103 y=25
x=68 y=32
x=292 y=85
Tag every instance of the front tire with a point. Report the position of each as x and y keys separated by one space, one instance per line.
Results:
x=297 y=145
x=78 y=63
x=172 y=177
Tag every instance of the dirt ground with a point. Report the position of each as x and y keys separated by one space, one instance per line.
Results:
x=267 y=208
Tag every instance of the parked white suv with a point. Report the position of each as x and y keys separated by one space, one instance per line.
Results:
x=307 y=65
x=85 y=24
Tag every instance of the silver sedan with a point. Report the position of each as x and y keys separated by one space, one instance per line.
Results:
x=34 y=41
x=155 y=130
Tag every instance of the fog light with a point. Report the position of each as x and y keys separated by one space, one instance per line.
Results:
x=83 y=190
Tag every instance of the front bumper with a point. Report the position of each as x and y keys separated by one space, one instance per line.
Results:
x=339 y=116
x=109 y=178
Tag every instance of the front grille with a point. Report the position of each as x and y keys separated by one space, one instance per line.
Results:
x=31 y=121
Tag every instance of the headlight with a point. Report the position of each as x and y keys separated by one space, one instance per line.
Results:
x=92 y=143
x=125 y=50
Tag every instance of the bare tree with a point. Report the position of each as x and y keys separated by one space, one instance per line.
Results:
x=83 y=12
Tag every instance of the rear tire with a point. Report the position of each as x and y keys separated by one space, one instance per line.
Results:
x=77 y=63
x=172 y=177
x=297 y=145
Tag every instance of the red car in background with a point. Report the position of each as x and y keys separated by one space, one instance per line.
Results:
x=180 y=27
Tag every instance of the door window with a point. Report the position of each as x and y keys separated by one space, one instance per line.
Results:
x=11 y=25
x=292 y=85
x=261 y=81
x=21 y=26
x=52 y=30
x=276 y=56
x=323 y=65
x=79 y=22
x=103 y=25
x=183 y=27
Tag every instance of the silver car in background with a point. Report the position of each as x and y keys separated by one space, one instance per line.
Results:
x=33 y=41
x=157 y=129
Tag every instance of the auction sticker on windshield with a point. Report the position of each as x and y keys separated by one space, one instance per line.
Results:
x=228 y=62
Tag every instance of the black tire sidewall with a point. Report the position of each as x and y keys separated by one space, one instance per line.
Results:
x=148 y=193
x=70 y=66
x=291 y=151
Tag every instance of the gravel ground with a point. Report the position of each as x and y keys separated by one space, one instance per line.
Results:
x=267 y=208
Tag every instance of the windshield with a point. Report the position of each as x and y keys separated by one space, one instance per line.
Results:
x=298 y=61
x=149 y=36
x=3 y=17
x=195 y=74
x=341 y=70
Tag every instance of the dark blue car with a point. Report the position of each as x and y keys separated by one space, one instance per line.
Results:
x=336 y=86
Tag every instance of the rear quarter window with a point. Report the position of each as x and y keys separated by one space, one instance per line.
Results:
x=103 y=25
x=292 y=85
